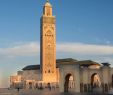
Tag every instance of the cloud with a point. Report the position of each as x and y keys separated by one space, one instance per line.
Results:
x=85 y=49
x=33 y=49
x=23 y=49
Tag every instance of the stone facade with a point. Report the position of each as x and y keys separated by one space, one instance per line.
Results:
x=15 y=81
x=31 y=78
x=87 y=75
x=72 y=75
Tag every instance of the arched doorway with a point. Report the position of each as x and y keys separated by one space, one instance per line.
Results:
x=95 y=81
x=96 y=85
x=30 y=85
x=69 y=83
x=49 y=86
x=36 y=85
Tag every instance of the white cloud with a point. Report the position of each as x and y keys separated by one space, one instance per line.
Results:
x=33 y=48
x=24 y=49
x=85 y=49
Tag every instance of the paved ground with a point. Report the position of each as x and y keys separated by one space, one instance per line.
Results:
x=28 y=92
x=39 y=92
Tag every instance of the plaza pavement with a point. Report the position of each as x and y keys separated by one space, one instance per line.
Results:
x=28 y=92
x=40 y=92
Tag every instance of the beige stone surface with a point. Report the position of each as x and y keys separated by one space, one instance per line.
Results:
x=48 y=45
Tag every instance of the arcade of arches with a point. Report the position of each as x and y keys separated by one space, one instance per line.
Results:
x=78 y=77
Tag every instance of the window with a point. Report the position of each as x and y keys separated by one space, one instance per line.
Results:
x=48 y=11
x=48 y=71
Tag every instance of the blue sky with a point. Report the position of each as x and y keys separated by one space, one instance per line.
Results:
x=84 y=31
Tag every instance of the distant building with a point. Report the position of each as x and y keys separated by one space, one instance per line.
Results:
x=15 y=81
x=67 y=74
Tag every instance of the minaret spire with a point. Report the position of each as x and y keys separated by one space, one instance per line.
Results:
x=47 y=9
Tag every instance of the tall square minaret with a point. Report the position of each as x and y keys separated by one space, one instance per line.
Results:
x=48 y=44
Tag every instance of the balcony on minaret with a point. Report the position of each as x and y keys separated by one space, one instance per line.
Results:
x=47 y=9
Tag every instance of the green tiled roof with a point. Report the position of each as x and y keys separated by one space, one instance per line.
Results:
x=64 y=61
x=31 y=67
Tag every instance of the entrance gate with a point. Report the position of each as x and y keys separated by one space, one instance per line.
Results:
x=69 y=77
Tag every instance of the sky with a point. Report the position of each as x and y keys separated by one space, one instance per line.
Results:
x=84 y=31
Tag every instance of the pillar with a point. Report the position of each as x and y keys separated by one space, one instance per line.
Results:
x=61 y=82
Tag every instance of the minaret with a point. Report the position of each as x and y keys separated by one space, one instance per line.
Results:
x=48 y=44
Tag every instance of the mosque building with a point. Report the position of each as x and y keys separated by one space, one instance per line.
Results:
x=66 y=74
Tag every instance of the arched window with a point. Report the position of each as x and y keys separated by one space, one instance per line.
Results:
x=48 y=71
